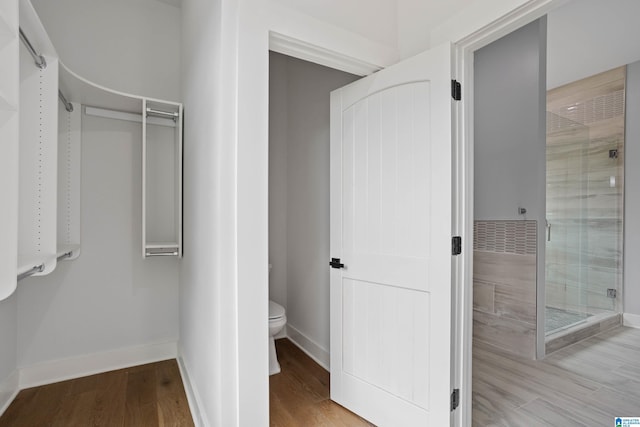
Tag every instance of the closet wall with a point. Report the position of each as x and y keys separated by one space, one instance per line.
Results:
x=9 y=341
x=299 y=196
x=9 y=125
x=109 y=298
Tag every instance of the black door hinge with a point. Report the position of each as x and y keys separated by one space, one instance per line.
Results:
x=455 y=399
x=456 y=245
x=456 y=90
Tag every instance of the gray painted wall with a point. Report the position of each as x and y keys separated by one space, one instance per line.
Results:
x=632 y=193
x=299 y=192
x=278 y=115
x=509 y=128
x=510 y=134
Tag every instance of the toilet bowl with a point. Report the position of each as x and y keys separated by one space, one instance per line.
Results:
x=277 y=320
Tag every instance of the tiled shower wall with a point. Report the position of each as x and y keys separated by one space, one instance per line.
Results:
x=504 y=285
x=585 y=172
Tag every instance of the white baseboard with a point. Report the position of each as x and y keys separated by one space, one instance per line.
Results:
x=310 y=347
x=192 y=395
x=9 y=389
x=631 y=320
x=81 y=366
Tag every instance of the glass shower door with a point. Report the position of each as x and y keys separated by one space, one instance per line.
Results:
x=567 y=234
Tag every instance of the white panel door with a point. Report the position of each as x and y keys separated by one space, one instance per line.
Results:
x=391 y=199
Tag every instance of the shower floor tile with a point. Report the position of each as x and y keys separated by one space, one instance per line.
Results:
x=556 y=319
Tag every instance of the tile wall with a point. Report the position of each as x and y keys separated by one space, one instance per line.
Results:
x=504 y=285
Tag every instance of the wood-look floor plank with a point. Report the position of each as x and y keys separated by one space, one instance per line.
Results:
x=47 y=403
x=172 y=401
x=341 y=417
x=140 y=405
x=110 y=399
x=299 y=394
x=279 y=414
x=22 y=403
x=76 y=410
x=311 y=375
x=585 y=384
x=146 y=395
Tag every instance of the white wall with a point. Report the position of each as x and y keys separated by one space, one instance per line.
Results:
x=208 y=273
x=416 y=19
x=109 y=298
x=587 y=37
x=299 y=195
x=8 y=351
x=128 y=45
x=375 y=20
x=631 y=291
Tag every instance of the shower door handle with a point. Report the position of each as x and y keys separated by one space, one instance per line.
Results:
x=548 y=231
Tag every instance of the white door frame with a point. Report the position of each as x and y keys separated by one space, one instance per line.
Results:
x=297 y=48
x=464 y=191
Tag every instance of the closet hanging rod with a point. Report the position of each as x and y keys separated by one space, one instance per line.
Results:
x=39 y=59
x=65 y=255
x=173 y=253
x=67 y=105
x=34 y=270
x=160 y=113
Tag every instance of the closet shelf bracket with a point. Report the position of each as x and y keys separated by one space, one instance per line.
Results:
x=65 y=255
x=34 y=270
x=39 y=59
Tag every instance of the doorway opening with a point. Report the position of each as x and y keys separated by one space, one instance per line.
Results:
x=299 y=94
x=576 y=289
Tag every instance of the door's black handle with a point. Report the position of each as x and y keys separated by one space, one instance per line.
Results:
x=335 y=263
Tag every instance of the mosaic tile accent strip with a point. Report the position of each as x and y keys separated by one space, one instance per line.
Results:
x=510 y=237
x=598 y=108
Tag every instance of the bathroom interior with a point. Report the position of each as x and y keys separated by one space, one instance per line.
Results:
x=550 y=188
x=555 y=281
x=299 y=213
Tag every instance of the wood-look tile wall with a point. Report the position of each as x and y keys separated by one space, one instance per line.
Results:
x=585 y=121
x=504 y=285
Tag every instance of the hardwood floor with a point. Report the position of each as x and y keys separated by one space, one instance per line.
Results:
x=585 y=384
x=299 y=395
x=146 y=395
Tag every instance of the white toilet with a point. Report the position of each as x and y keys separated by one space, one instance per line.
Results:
x=277 y=320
